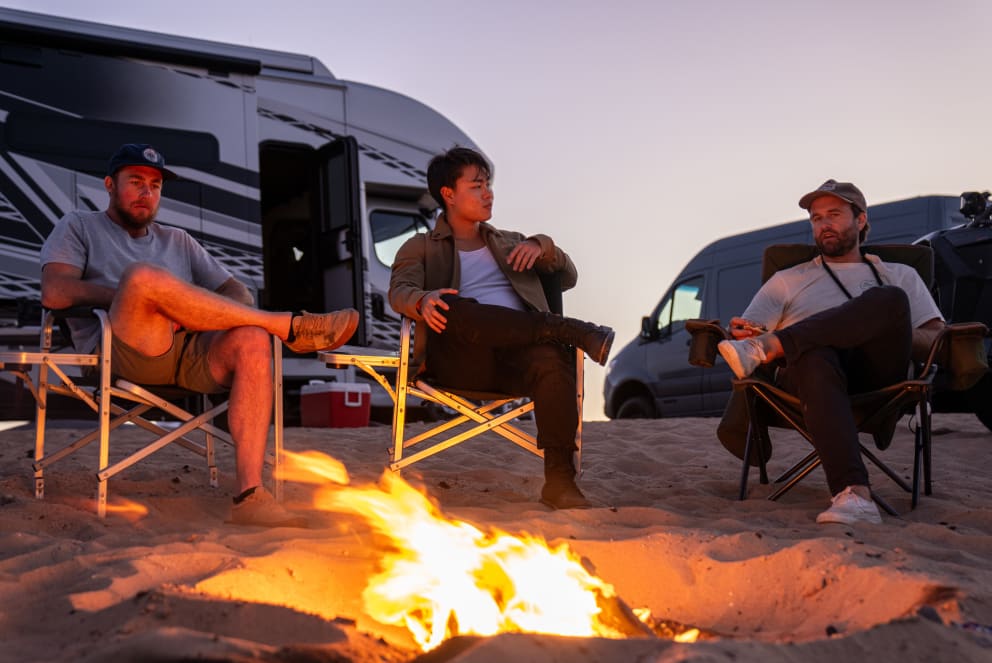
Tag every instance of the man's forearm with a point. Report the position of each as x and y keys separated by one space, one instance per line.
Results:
x=59 y=293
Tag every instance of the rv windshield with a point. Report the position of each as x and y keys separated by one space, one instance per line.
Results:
x=390 y=229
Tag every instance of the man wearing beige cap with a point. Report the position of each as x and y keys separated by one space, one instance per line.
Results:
x=843 y=323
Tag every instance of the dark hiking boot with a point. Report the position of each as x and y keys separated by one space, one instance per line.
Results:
x=594 y=340
x=560 y=491
x=563 y=494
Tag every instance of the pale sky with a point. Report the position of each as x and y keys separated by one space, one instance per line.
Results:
x=636 y=132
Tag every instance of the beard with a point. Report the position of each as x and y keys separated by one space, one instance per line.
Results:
x=838 y=244
x=129 y=219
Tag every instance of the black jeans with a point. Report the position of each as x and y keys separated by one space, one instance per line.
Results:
x=861 y=345
x=493 y=348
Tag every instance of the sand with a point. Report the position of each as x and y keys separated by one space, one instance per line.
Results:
x=761 y=579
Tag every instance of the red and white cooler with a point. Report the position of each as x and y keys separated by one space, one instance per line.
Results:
x=335 y=404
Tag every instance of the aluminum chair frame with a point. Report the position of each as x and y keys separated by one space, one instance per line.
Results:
x=43 y=372
x=477 y=410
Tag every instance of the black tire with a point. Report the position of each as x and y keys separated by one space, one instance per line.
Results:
x=636 y=407
x=986 y=417
x=980 y=400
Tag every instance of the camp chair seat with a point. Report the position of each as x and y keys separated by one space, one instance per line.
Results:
x=873 y=411
x=479 y=411
x=117 y=402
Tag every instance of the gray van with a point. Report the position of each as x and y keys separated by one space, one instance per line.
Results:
x=651 y=376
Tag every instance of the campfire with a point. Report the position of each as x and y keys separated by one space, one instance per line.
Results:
x=441 y=577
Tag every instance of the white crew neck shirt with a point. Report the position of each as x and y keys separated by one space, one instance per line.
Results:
x=483 y=280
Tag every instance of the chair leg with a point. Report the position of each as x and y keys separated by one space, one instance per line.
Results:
x=798 y=473
x=885 y=505
x=40 y=421
x=885 y=468
x=277 y=415
x=746 y=463
x=925 y=425
x=922 y=453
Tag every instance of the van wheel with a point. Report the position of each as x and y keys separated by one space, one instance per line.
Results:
x=636 y=407
x=985 y=417
x=980 y=400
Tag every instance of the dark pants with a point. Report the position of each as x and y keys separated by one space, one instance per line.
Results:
x=493 y=348
x=861 y=345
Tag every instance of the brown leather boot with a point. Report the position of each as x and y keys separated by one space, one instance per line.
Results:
x=560 y=491
x=594 y=340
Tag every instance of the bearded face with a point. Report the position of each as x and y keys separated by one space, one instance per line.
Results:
x=835 y=226
x=135 y=192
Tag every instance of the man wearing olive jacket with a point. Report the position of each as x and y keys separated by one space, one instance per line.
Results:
x=478 y=292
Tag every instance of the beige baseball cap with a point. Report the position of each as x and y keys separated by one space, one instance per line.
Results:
x=843 y=190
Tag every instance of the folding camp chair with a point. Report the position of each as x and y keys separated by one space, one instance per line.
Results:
x=88 y=378
x=475 y=412
x=875 y=412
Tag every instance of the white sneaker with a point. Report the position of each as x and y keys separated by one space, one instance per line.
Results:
x=743 y=356
x=848 y=508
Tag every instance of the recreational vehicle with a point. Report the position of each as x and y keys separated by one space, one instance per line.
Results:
x=304 y=185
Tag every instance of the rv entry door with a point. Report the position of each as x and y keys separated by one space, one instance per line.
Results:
x=340 y=239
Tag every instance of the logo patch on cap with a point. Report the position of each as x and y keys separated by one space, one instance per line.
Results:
x=151 y=155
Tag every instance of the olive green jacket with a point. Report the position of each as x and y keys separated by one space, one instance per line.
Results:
x=428 y=261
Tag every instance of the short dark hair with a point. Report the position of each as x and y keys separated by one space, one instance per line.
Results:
x=863 y=234
x=445 y=169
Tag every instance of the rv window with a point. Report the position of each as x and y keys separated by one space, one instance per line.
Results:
x=684 y=303
x=391 y=229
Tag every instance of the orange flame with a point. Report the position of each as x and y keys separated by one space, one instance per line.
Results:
x=129 y=509
x=446 y=577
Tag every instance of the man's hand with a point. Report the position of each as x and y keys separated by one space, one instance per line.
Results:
x=524 y=255
x=431 y=306
x=744 y=328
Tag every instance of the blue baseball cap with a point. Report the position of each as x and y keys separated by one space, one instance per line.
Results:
x=139 y=154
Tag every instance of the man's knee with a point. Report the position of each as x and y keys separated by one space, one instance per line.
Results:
x=887 y=300
x=246 y=349
x=252 y=340
x=141 y=275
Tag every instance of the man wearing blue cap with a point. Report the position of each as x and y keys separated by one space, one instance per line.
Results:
x=178 y=316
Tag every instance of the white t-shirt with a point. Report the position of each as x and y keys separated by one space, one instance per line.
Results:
x=483 y=280
x=794 y=294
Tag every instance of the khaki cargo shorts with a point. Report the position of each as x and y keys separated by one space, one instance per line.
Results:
x=185 y=364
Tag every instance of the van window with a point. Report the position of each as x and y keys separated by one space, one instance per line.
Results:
x=391 y=229
x=683 y=303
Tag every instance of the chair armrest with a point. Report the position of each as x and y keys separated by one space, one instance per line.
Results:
x=51 y=318
x=959 y=354
x=706 y=334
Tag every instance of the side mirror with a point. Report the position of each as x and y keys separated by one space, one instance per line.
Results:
x=648 y=329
